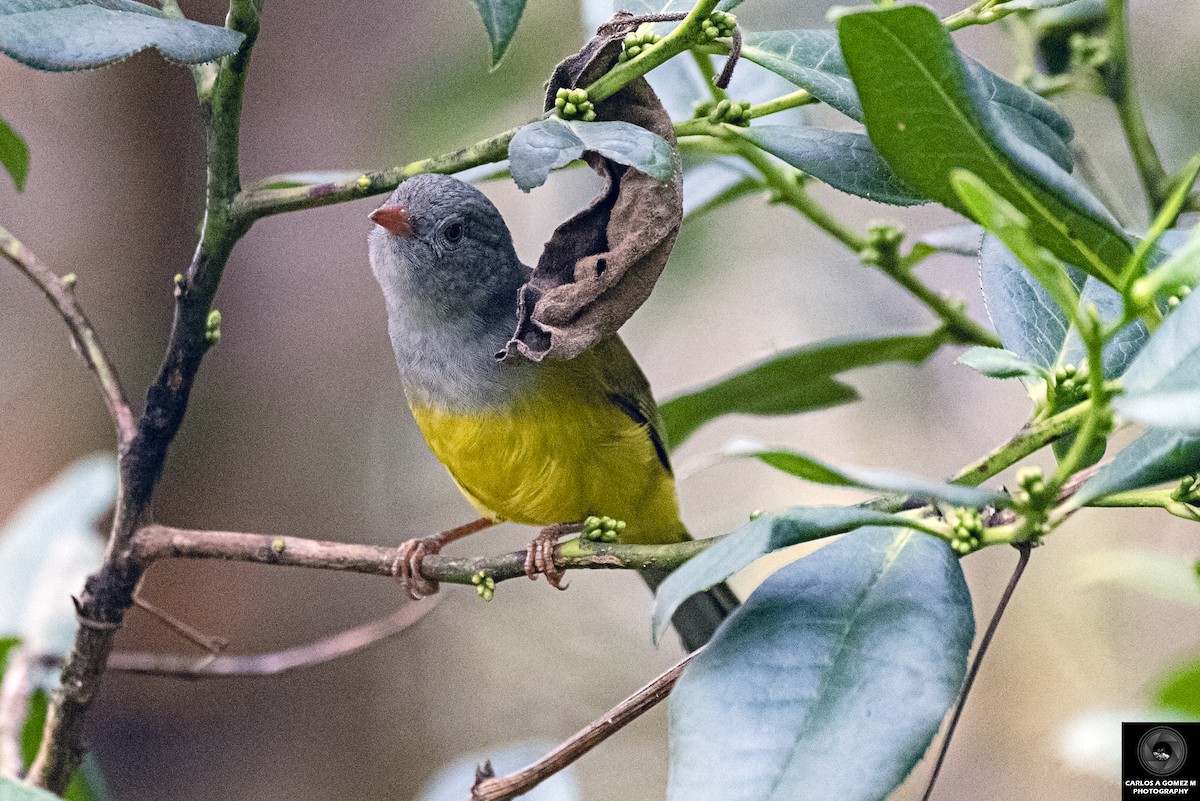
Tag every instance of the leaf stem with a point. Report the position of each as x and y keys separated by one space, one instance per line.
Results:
x=1032 y=438
x=1117 y=78
x=671 y=45
x=798 y=98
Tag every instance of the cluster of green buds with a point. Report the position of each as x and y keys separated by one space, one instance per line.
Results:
x=639 y=42
x=1089 y=51
x=1188 y=490
x=212 y=328
x=602 y=529
x=573 y=104
x=883 y=244
x=485 y=585
x=966 y=526
x=1070 y=386
x=1031 y=492
x=1177 y=298
x=734 y=112
x=719 y=25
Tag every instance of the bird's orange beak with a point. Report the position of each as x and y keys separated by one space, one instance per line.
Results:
x=394 y=219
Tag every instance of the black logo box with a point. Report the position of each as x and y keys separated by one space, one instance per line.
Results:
x=1164 y=780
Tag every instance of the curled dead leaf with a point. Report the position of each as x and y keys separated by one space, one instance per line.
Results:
x=600 y=265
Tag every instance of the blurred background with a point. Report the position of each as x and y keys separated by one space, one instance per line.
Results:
x=297 y=424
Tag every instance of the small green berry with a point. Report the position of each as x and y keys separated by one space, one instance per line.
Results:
x=364 y=182
x=278 y=545
x=212 y=327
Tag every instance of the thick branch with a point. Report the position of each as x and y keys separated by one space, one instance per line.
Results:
x=61 y=294
x=500 y=788
x=109 y=593
x=163 y=542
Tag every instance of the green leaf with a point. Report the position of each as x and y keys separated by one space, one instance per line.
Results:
x=1180 y=689
x=794 y=381
x=88 y=783
x=1156 y=457
x=844 y=160
x=500 y=19
x=1011 y=227
x=806 y=467
x=1171 y=359
x=830 y=681
x=1162 y=384
x=761 y=536
x=1000 y=363
x=812 y=60
x=12 y=790
x=1168 y=576
x=6 y=645
x=1180 y=269
x=548 y=144
x=47 y=549
x=929 y=116
x=14 y=155
x=1178 y=410
x=69 y=35
x=451 y=781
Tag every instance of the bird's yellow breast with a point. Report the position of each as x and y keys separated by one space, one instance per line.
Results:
x=561 y=452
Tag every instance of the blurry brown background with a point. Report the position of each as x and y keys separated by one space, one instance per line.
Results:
x=297 y=425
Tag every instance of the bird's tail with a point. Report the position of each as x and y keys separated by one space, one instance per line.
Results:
x=697 y=618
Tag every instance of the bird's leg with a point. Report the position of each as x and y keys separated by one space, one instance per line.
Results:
x=407 y=566
x=540 y=556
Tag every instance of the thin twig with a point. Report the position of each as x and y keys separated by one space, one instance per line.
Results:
x=500 y=788
x=1023 y=548
x=163 y=542
x=61 y=294
x=318 y=652
x=214 y=645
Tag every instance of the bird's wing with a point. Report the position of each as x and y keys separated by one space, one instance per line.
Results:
x=628 y=388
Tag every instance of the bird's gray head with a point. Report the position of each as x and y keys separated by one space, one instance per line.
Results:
x=441 y=252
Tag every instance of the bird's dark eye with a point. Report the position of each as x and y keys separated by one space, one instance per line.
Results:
x=453 y=233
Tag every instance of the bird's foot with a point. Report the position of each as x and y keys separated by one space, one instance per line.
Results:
x=406 y=568
x=540 y=556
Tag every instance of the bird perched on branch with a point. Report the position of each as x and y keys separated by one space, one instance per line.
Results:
x=538 y=443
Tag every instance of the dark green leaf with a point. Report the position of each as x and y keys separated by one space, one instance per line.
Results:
x=500 y=18
x=68 y=35
x=1180 y=269
x=13 y=790
x=795 y=381
x=830 y=681
x=14 y=155
x=1156 y=457
x=761 y=536
x=929 y=116
x=1031 y=325
x=1181 y=689
x=806 y=467
x=812 y=60
x=548 y=144
x=844 y=160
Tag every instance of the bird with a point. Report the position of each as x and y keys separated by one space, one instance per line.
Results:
x=546 y=443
